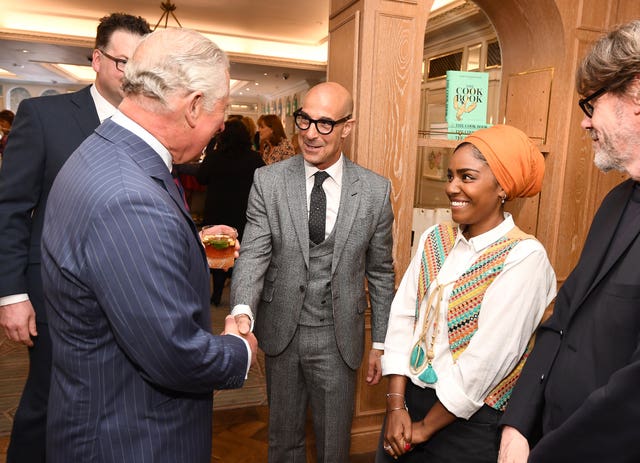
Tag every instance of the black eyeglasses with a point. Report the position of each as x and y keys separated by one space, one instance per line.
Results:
x=585 y=104
x=323 y=126
x=120 y=63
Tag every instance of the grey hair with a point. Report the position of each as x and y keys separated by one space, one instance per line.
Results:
x=613 y=61
x=177 y=61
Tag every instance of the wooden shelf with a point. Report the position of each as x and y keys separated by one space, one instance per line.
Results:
x=426 y=141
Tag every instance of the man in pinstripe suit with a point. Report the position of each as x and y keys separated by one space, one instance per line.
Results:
x=45 y=132
x=125 y=276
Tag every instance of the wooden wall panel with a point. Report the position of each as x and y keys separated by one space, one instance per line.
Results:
x=595 y=14
x=392 y=139
x=342 y=66
x=527 y=104
x=340 y=5
x=626 y=10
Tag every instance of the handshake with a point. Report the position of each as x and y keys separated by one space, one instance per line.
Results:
x=240 y=325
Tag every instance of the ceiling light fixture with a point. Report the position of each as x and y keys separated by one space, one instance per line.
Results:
x=168 y=8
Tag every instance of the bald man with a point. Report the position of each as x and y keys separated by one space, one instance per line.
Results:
x=302 y=276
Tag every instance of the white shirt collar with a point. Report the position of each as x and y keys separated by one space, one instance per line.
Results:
x=334 y=170
x=135 y=128
x=487 y=238
x=103 y=107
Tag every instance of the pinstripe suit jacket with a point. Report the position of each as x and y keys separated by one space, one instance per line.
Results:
x=127 y=291
x=272 y=272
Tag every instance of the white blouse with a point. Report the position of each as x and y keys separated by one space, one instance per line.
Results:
x=511 y=310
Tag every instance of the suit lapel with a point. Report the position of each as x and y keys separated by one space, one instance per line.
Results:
x=296 y=191
x=595 y=263
x=85 y=114
x=349 y=202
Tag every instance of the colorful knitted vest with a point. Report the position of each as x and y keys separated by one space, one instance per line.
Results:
x=467 y=294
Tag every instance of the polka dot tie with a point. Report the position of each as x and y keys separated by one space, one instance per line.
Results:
x=318 y=209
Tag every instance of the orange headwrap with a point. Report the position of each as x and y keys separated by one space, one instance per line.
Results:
x=514 y=159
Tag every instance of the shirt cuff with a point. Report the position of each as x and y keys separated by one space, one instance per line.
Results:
x=243 y=309
x=378 y=345
x=246 y=375
x=394 y=364
x=454 y=399
x=13 y=299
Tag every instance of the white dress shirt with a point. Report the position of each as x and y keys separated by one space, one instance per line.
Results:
x=104 y=109
x=332 y=187
x=511 y=309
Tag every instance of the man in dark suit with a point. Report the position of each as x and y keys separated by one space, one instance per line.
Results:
x=45 y=132
x=581 y=381
x=125 y=273
x=303 y=275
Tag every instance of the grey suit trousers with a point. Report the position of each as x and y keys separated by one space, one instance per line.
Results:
x=312 y=372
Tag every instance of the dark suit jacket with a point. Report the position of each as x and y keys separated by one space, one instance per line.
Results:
x=127 y=294
x=272 y=272
x=582 y=378
x=45 y=132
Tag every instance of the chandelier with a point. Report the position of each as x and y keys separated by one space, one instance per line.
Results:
x=168 y=8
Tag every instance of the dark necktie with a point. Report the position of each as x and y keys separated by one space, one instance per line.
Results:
x=180 y=188
x=318 y=209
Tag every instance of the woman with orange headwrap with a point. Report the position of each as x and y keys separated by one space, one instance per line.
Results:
x=462 y=319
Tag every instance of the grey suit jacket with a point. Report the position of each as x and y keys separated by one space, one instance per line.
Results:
x=272 y=272
x=127 y=294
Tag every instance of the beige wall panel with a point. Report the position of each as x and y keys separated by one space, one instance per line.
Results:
x=340 y=5
x=595 y=14
x=344 y=58
x=525 y=213
x=343 y=65
x=527 y=105
x=626 y=11
x=394 y=104
x=393 y=51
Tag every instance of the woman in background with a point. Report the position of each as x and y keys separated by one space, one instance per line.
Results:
x=227 y=170
x=253 y=132
x=274 y=144
x=463 y=316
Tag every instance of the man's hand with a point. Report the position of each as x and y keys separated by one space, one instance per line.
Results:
x=374 y=373
x=514 y=447
x=244 y=323
x=231 y=327
x=19 y=322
